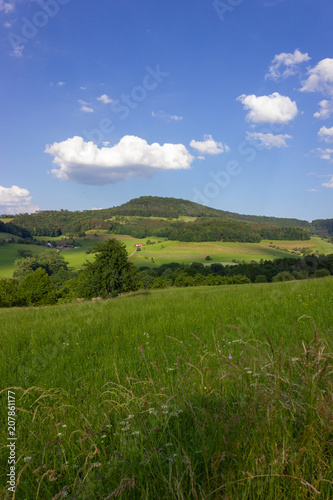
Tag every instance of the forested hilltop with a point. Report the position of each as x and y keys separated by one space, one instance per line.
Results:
x=172 y=218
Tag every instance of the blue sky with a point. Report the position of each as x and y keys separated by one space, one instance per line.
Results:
x=228 y=103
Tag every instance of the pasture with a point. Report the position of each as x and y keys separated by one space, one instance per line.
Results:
x=164 y=252
x=209 y=392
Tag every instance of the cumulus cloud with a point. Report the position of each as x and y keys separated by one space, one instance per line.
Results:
x=15 y=200
x=288 y=63
x=61 y=84
x=209 y=146
x=320 y=78
x=326 y=109
x=165 y=116
x=274 y=108
x=105 y=99
x=268 y=140
x=7 y=6
x=85 y=163
x=326 y=134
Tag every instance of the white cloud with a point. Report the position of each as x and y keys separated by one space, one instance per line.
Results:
x=85 y=163
x=61 y=84
x=7 y=6
x=105 y=99
x=288 y=61
x=16 y=200
x=87 y=109
x=8 y=24
x=209 y=146
x=83 y=88
x=274 y=108
x=161 y=114
x=313 y=190
x=326 y=109
x=320 y=78
x=268 y=140
x=86 y=106
x=326 y=134
x=328 y=184
x=324 y=154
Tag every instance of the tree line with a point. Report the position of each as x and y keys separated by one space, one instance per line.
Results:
x=47 y=280
x=146 y=216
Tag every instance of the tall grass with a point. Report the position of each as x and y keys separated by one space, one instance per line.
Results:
x=195 y=393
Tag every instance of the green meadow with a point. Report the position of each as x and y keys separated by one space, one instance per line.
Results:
x=168 y=251
x=204 y=393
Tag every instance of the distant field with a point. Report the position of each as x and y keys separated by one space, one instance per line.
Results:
x=166 y=251
x=172 y=251
x=6 y=220
x=123 y=219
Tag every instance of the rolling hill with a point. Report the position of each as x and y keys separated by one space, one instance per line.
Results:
x=153 y=215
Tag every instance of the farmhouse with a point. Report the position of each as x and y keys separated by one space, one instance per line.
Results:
x=61 y=245
x=9 y=240
x=138 y=244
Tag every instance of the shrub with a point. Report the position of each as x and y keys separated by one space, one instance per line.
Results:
x=261 y=278
x=37 y=289
x=25 y=253
x=8 y=293
x=321 y=273
x=283 y=276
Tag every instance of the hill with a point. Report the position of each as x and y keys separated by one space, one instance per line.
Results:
x=155 y=206
x=172 y=218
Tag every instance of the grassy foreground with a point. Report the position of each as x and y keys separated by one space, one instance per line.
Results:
x=177 y=393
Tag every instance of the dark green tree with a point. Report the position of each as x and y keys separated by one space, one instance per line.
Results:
x=110 y=274
x=52 y=261
x=37 y=289
x=25 y=253
x=8 y=293
x=25 y=266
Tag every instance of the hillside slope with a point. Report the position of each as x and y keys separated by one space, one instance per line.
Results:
x=56 y=223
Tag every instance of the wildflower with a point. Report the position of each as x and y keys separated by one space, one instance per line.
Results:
x=64 y=425
x=95 y=465
x=109 y=425
x=229 y=357
x=104 y=436
x=135 y=433
x=59 y=434
x=27 y=459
